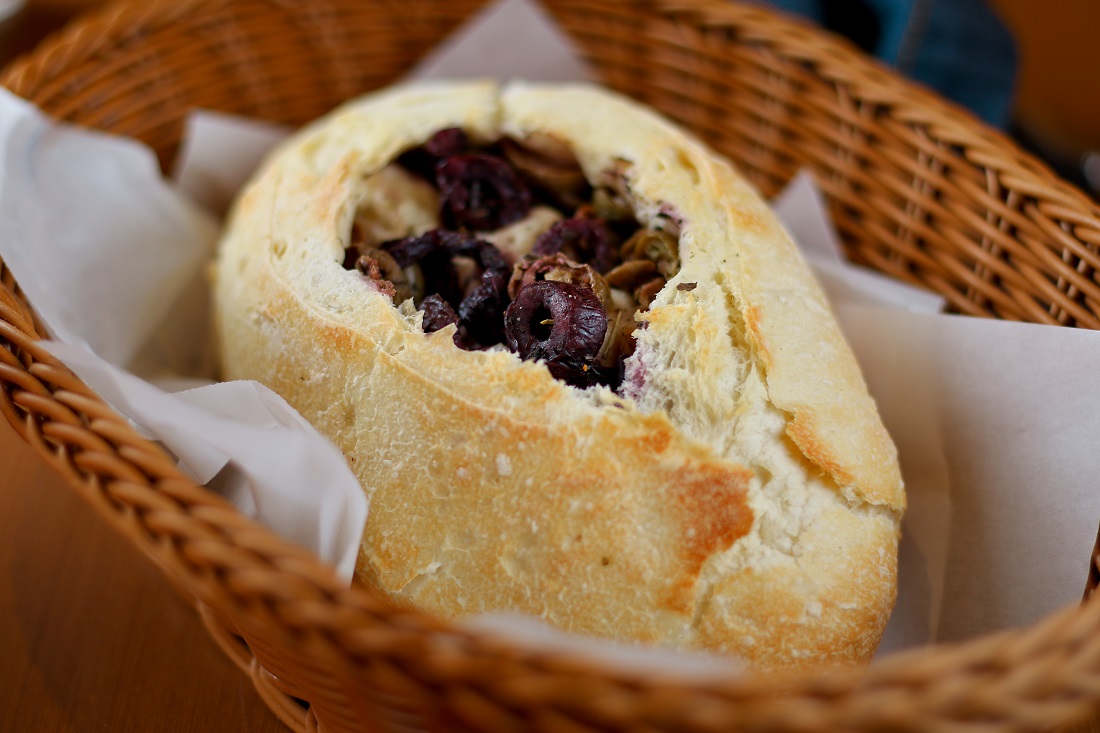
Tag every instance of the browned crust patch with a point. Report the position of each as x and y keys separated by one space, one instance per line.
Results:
x=804 y=433
x=711 y=500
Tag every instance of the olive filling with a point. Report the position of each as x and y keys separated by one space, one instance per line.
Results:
x=529 y=254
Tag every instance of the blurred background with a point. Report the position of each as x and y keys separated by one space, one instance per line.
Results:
x=1026 y=67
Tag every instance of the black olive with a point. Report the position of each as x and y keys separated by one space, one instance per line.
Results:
x=582 y=240
x=557 y=322
x=438 y=313
x=480 y=192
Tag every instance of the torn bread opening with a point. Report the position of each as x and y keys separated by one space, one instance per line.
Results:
x=465 y=230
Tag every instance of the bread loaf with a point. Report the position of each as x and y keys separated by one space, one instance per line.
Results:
x=726 y=484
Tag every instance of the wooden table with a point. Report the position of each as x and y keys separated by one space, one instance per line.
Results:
x=92 y=638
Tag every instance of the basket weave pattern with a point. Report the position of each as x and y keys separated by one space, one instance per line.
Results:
x=918 y=189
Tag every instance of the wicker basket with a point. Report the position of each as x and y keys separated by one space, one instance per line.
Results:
x=919 y=190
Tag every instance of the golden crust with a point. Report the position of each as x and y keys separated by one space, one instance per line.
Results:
x=724 y=507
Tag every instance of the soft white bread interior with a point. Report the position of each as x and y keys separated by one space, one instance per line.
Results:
x=740 y=492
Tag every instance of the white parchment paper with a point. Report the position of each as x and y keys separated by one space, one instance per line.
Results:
x=994 y=421
x=100 y=270
x=113 y=258
x=1016 y=406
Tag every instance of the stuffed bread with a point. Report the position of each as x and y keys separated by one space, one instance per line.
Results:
x=578 y=367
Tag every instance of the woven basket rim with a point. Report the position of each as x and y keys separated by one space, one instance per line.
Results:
x=282 y=563
x=876 y=80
